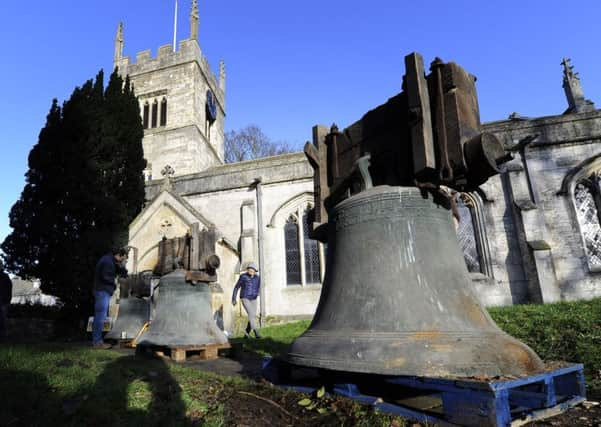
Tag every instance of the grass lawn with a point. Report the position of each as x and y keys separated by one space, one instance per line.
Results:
x=568 y=331
x=71 y=385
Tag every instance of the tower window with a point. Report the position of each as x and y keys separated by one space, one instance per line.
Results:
x=146 y=110
x=164 y=112
x=155 y=107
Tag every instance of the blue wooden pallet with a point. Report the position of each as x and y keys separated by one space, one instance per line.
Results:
x=444 y=401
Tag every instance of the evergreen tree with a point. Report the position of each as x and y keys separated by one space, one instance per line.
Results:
x=83 y=188
x=31 y=216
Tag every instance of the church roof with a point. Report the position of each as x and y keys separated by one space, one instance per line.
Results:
x=285 y=167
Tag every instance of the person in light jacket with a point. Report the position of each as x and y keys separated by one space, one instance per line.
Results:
x=249 y=284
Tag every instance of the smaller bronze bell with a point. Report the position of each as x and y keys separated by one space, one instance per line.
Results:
x=183 y=315
x=133 y=315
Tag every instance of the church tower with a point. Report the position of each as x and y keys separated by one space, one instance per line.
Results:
x=182 y=104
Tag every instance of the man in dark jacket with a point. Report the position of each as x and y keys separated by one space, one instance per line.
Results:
x=107 y=269
x=249 y=283
x=6 y=294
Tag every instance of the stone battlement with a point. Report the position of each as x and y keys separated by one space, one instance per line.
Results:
x=189 y=51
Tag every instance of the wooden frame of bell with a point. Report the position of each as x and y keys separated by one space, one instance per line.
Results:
x=196 y=252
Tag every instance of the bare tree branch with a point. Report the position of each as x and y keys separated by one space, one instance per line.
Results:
x=251 y=143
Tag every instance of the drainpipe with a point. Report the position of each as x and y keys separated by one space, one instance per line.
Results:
x=256 y=184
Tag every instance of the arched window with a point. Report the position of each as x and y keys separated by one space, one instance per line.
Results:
x=145 y=115
x=304 y=256
x=467 y=236
x=587 y=200
x=164 y=112
x=155 y=107
x=312 y=267
x=582 y=183
x=471 y=234
x=293 y=259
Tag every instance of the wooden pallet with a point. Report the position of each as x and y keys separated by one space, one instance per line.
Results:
x=126 y=343
x=186 y=352
x=444 y=401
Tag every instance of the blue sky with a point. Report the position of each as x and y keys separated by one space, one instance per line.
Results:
x=291 y=65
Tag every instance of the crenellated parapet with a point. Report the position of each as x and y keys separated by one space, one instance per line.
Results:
x=189 y=52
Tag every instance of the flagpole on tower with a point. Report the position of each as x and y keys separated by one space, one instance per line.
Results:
x=175 y=28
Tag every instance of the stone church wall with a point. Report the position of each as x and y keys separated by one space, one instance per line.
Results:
x=225 y=198
x=537 y=247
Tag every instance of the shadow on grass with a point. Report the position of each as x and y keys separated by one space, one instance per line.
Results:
x=142 y=382
x=128 y=391
x=248 y=355
x=265 y=346
x=27 y=399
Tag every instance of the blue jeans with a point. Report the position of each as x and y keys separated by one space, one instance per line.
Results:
x=101 y=308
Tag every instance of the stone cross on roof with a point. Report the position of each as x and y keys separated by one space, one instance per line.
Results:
x=167 y=173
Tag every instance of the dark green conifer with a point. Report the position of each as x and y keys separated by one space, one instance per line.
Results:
x=83 y=188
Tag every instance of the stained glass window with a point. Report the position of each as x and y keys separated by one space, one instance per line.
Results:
x=312 y=274
x=293 y=264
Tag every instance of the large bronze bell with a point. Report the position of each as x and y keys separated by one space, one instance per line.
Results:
x=183 y=315
x=397 y=298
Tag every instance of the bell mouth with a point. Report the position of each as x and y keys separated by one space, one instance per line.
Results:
x=420 y=353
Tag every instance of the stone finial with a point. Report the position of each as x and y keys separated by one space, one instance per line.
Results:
x=118 y=43
x=573 y=90
x=167 y=173
x=568 y=69
x=222 y=75
x=194 y=20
